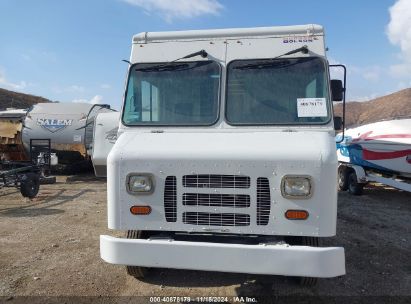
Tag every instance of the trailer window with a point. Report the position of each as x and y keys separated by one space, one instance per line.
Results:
x=271 y=91
x=179 y=93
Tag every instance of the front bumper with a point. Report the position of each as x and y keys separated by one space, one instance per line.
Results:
x=322 y=262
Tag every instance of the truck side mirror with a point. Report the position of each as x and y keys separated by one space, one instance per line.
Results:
x=338 y=123
x=337 y=90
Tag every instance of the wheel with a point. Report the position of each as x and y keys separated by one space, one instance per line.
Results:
x=354 y=187
x=30 y=185
x=137 y=271
x=304 y=241
x=313 y=242
x=342 y=178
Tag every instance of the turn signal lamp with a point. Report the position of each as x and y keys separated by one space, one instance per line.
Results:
x=296 y=214
x=140 y=210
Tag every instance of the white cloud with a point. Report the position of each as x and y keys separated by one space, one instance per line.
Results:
x=49 y=56
x=10 y=85
x=401 y=70
x=25 y=57
x=365 y=98
x=371 y=73
x=179 y=9
x=98 y=99
x=75 y=88
x=399 y=34
x=80 y=100
x=105 y=86
x=404 y=85
x=335 y=72
x=69 y=89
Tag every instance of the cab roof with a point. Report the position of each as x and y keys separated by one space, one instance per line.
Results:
x=308 y=29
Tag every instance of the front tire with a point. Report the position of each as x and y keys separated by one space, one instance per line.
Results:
x=137 y=271
x=304 y=241
x=354 y=187
x=342 y=178
x=313 y=242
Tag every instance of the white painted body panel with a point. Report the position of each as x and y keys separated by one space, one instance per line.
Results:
x=279 y=259
x=255 y=154
x=198 y=35
x=224 y=46
x=104 y=138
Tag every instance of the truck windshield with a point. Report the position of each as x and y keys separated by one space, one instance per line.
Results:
x=279 y=91
x=179 y=93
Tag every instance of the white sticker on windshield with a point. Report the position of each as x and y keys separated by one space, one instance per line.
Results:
x=311 y=107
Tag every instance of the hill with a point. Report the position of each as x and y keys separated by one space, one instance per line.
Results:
x=10 y=99
x=386 y=107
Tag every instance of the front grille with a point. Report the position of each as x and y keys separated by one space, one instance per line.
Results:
x=263 y=201
x=216 y=200
x=216 y=219
x=216 y=181
x=170 y=198
x=205 y=209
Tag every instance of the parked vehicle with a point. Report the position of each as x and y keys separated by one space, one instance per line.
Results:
x=11 y=144
x=69 y=126
x=225 y=159
x=378 y=152
x=28 y=175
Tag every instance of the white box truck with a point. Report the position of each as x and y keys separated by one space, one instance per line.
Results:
x=225 y=158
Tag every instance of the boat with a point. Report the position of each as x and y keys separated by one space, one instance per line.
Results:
x=383 y=146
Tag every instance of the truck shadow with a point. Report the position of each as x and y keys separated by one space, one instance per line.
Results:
x=85 y=178
x=249 y=285
x=8 y=192
x=192 y=278
x=43 y=205
x=373 y=191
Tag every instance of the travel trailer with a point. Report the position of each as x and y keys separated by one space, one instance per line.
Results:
x=225 y=158
x=11 y=144
x=377 y=152
x=68 y=126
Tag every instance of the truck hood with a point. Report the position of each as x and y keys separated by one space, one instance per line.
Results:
x=224 y=146
x=268 y=155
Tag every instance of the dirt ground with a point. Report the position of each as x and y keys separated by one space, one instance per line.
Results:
x=49 y=246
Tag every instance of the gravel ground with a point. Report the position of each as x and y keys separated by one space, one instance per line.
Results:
x=49 y=246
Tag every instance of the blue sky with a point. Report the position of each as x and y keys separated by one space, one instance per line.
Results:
x=72 y=50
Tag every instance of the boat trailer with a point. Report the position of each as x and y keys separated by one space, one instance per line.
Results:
x=353 y=178
x=28 y=175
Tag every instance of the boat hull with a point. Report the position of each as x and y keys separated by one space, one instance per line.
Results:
x=383 y=146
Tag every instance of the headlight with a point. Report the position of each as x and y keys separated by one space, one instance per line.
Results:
x=140 y=183
x=295 y=186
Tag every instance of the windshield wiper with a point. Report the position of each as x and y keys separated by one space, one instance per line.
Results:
x=169 y=67
x=201 y=53
x=272 y=63
x=163 y=67
x=267 y=65
x=303 y=49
